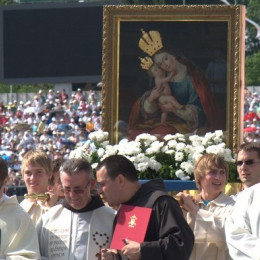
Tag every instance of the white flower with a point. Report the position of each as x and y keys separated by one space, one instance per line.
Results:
x=172 y=143
x=155 y=147
x=196 y=156
x=185 y=178
x=180 y=136
x=217 y=139
x=140 y=157
x=208 y=136
x=189 y=149
x=150 y=151
x=195 y=138
x=165 y=148
x=196 y=143
x=199 y=149
x=149 y=154
x=180 y=146
x=216 y=149
x=80 y=152
x=129 y=148
x=179 y=156
x=101 y=152
x=168 y=137
x=146 y=138
x=110 y=150
x=142 y=166
x=228 y=156
x=98 y=136
x=188 y=167
x=219 y=133
x=104 y=144
x=154 y=165
x=170 y=151
x=179 y=173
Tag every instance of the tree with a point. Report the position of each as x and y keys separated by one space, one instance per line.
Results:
x=7 y=2
x=253 y=12
x=253 y=69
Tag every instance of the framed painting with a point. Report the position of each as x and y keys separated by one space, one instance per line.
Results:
x=173 y=69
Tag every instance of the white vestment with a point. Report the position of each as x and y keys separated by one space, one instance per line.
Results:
x=18 y=235
x=67 y=235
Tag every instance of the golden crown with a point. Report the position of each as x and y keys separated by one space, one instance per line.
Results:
x=150 y=42
x=146 y=63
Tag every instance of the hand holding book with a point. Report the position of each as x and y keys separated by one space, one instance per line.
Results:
x=130 y=227
x=131 y=249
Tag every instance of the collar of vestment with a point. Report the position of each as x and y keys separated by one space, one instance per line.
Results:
x=95 y=203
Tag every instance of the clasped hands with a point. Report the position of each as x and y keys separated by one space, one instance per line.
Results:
x=188 y=203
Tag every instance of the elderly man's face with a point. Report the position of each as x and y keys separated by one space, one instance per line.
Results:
x=77 y=189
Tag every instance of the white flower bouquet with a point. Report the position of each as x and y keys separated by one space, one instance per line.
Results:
x=172 y=158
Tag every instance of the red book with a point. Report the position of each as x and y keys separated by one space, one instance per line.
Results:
x=132 y=223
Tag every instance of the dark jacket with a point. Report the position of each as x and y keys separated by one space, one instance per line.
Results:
x=168 y=235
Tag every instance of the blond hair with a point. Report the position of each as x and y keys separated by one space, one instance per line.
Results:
x=207 y=162
x=38 y=158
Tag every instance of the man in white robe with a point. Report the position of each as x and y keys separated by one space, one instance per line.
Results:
x=81 y=225
x=243 y=228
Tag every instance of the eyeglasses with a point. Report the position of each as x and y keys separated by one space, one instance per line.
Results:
x=77 y=191
x=246 y=162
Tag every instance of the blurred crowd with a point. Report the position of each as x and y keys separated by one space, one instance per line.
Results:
x=56 y=122
x=52 y=122
x=251 y=116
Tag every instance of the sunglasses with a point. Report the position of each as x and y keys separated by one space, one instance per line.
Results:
x=246 y=162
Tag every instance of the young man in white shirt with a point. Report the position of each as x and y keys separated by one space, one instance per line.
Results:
x=36 y=171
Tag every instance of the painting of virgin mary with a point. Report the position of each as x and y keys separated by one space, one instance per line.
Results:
x=199 y=110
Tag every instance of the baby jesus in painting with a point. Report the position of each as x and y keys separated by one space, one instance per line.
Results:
x=162 y=86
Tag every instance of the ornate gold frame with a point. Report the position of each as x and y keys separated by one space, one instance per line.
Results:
x=233 y=16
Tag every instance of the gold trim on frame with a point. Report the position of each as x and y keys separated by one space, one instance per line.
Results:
x=234 y=15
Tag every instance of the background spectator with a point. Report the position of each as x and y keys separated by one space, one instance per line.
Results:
x=52 y=122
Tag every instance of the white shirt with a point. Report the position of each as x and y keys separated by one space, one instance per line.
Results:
x=243 y=226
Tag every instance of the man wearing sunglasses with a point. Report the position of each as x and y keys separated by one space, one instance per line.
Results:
x=242 y=227
x=18 y=237
x=81 y=225
x=248 y=164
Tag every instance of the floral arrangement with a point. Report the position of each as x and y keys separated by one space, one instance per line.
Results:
x=172 y=158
